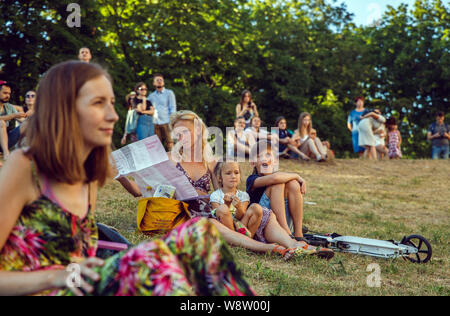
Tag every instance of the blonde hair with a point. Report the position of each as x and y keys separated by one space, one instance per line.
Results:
x=219 y=169
x=185 y=115
x=300 y=124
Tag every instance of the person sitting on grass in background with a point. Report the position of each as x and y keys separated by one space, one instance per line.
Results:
x=130 y=123
x=286 y=141
x=247 y=108
x=282 y=192
x=30 y=98
x=9 y=133
x=255 y=132
x=394 y=139
x=237 y=141
x=311 y=148
x=230 y=205
x=330 y=152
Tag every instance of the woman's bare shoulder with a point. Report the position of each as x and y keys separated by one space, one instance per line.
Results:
x=17 y=174
x=19 y=160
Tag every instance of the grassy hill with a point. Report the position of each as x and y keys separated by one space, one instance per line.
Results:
x=382 y=200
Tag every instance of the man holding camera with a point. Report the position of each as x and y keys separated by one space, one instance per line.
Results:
x=439 y=135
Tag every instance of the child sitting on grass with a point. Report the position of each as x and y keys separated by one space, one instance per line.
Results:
x=313 y=136
x=230 y=205
x=282 y=192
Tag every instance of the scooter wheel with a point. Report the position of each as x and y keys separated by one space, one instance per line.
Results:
x=423 y=246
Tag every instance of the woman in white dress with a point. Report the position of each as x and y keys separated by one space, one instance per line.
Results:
x=370 y=121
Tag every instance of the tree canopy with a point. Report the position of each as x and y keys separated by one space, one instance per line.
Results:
x=294 y=56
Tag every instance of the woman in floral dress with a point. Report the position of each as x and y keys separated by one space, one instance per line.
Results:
x=48 y=235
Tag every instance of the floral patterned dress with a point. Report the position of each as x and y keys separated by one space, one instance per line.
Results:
x=190 y=260
x=394 y=140
x=199 y=207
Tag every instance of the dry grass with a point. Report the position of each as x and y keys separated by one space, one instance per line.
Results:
x=383 y=200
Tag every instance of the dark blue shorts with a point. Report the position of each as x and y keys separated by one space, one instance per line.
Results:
x=13 y=137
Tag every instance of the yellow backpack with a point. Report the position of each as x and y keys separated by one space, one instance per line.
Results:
x=160 y=215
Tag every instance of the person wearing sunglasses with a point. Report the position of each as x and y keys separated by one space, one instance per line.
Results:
x=30 y=99
x=145 y=110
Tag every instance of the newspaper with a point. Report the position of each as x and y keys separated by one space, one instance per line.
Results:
x=147 y=162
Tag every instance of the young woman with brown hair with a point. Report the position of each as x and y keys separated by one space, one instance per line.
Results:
x=247 y=108
x=48 y=194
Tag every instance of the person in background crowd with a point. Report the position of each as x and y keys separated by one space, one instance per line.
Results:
x=330 y=152
x=145 y=126
x=439 y=135
x=9 y=133
x=237 y=141
x=84 y=55
x=394 y=139
x=130 y=120
x=287 y=143
x=255 y=133
x=352 y=123
x=165 y=104
x=370 y=122
x=312 y=148
x=247 y=108
x=30 y=98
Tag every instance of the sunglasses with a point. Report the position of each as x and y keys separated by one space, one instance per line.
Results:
x=30 y=96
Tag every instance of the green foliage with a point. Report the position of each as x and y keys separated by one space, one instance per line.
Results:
x=294 y=56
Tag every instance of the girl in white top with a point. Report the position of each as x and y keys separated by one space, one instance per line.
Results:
x=230 y=205
x=312 y=148
x=237 y=141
